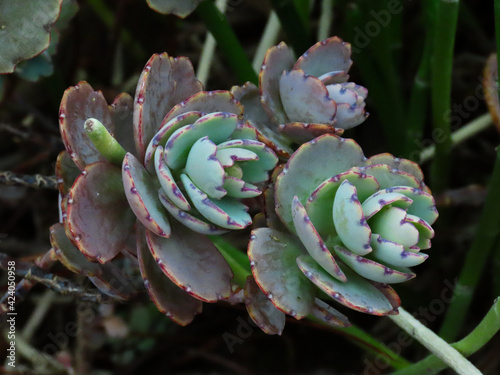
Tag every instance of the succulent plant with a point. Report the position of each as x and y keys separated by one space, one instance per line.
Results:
x=310 y=96
x=173 y=152
x=356 y=225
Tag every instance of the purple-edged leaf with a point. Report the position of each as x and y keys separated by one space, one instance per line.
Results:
x=320 y=203
x=329 y=55
x=394 y=254
x=357 y=293
x=403 y=165
x=204 y=169
x=207 y=102
x=170 y=300
x=237 y=188
x=313 y=242
x=301 y=132
x=370 y=269
x=167 y=181
x=79 y=103
x=217 y=126
x=277 y=60
x=309 y=166
x=193 y=263
x=306 y=99
x=164 y=82
x=391 y=224
x=349 y=220
x=164 y=134
x=383 y=198
x=249 y=96
x=425 y=231
x=349 y=116
x=273 y=260
x=122 y=114
x=142 y=196
x=226 y=212
x=336 y=76
x=261 y=309
x=69 y=255
x=388 y=177
x=66 y=172
x=190 y=221
x=181 y=8
x=327 y=314
x=98 y=215
x=390 y=294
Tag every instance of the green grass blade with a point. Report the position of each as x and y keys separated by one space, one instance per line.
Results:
x=217 y=24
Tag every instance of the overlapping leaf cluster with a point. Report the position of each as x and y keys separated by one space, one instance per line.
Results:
x=148 y=179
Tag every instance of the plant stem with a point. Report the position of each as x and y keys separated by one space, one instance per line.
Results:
x=36 y=181
x=293 y=24
x=226 y=39
x=434 y=343
x=207 y=53
x=497 y=33
x=268 y=39
x=474 y=341
x=488 y=230
x=459 y=136
x=442 y=66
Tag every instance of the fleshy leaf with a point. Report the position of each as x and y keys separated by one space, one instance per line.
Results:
x=301 y=132
x=164 y=82
x=170 y=300
x=25 y=30
x=349 y=220
x=273 y=260
x=370 y=269
x=392 y=225
x=320 y=203
x=204 y=169
x=69 y=255
x=218 y=126
x=327 y=314
x=261 y=309
x=122 y=117
x=383 y=198
x=313 y=242
x=326 y=56
x=98 y=215
x=79 y=103
x=66 y=172
x=207 y=102
x=226 y=212
x=403 y=165
x=309 y=166
x=277 y=60
x=142 y=196
x=190 y=221
x=193 y=263
x=306 y=99
x=358 y=294
x=393 y=253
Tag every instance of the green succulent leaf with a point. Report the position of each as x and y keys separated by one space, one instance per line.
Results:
x=181 y=8
x=25 y=30
x=327 y=314
x=273 y=260
x=357 y=293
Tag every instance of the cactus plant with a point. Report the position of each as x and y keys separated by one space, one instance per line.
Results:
x=360 y=222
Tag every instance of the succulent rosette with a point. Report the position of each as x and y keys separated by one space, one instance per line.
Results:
x=355 y=225
x=174 y=151
x=307 y=97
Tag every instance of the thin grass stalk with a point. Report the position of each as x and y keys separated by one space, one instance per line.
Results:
x=268 y=39
x=442 y=66
x=218 y=26
x=474 y=341
x=325 y=19
x=488 y=229
x=292 y=22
